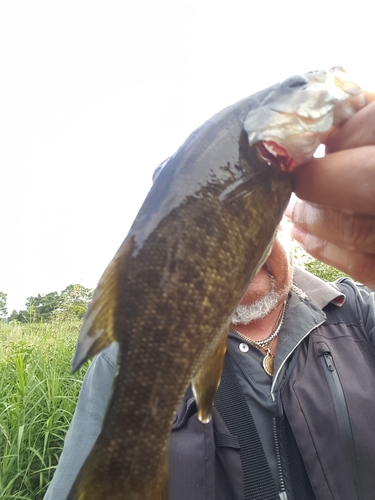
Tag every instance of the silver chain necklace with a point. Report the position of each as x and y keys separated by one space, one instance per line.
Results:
x=269 y=358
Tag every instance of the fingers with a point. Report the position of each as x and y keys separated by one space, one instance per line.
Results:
x=345 y=241
x=356 y=132
x=344 y=180
x=336 y=222
x=360 y=266
x=370 y=96
x=355 y=232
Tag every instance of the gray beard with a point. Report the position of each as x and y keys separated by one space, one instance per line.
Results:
x=245 y=314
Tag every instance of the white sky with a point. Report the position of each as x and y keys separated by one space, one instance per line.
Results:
x=94 y=95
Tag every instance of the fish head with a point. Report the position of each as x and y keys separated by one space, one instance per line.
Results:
x=288 y=121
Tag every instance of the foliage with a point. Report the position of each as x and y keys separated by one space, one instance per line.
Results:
x=38 y=399
x=72 y=301
x=75 y=299
x=316 y=267
x=3 y=305
x=323 y=271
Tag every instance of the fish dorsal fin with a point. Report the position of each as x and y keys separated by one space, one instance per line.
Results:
x=98 y=329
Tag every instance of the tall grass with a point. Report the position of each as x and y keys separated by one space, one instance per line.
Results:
x=37 y=400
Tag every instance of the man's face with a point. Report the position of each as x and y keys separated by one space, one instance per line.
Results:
x=272 y=283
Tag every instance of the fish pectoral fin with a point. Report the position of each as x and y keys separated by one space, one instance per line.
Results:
x=154 y=489
x=207 y=380
x=161 y=489
x=98 y=329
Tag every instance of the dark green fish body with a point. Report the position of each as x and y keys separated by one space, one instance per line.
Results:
x=168 y=296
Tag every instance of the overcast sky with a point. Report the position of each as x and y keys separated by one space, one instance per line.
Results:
x=95 y=94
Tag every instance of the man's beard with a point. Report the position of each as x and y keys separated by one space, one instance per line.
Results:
x=246 y=313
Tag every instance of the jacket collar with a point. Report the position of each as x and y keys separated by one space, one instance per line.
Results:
x=319 y=291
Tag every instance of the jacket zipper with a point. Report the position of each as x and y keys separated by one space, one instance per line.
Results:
x=291 y=352
x=342 y=416
x=282 y=492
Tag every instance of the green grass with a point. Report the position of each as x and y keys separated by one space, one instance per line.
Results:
x=38 y=397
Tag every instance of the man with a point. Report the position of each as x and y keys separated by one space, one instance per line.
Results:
x=296 y=420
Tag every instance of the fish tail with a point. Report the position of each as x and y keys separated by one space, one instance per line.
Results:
x=101 y=479
x=154 y=491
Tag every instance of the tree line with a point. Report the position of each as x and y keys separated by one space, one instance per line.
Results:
x=72 y=301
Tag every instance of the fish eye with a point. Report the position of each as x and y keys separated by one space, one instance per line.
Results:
x=295 y=81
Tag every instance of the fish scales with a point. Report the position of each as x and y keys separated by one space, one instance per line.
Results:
x=176 y=294
x=167 y=297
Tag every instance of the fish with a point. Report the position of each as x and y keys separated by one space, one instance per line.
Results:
x=204 y=230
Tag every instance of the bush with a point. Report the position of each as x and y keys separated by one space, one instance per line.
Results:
x=38 y=398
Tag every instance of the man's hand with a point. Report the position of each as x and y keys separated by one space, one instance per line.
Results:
x=336 y=221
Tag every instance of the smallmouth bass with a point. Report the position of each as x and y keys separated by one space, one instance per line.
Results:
x=167 y=297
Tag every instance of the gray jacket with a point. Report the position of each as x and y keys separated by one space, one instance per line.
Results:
x=305 y=315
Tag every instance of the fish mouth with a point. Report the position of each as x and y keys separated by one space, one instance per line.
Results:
x=287 y=122
x=274 y=154
x=306 y=132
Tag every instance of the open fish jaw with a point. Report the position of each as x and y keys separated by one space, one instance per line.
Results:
x=299 y=123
